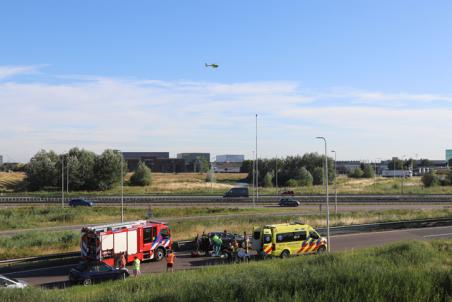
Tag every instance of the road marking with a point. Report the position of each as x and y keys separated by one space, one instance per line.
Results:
x=438 y=235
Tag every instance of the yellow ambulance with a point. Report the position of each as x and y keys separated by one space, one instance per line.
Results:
x=286 y=239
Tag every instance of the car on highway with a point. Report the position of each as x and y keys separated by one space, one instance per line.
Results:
x=87 y=273
x=6 y=282
x=78 y=202
x=289 y=202
x=237 y=192
x=288 y=192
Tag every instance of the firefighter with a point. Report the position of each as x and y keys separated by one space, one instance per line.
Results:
x=170 y=261
x=123 y=261
x=136 y=267
x=205 y=243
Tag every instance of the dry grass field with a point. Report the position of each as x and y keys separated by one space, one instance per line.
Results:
x=9 y=181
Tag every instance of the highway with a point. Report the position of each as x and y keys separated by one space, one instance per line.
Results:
x=58 y=274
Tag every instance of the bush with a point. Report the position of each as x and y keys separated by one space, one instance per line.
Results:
x=305 y=178
x=292 y=182
x=357 y=173
x=141 y=176
x=368 y=172
x=430 y=179
x=317 y=176
x=268 y=180
x=210 y=177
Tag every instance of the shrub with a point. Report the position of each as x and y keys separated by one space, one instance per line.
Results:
x=305 y=178
x=141 y=176
x=368 y=171
x=268 y=180
x=292 y=182
x=430 y=179
x=317 y=176
x=357 y=173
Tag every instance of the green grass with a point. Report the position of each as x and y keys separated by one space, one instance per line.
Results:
x=195 y=184
x=410 y=271
x=32 y=243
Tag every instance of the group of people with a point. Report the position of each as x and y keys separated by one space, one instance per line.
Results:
x=235 y=250
x=121 y=262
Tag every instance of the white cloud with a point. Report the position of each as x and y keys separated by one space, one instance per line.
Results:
x=182 y=116
x=10 y=71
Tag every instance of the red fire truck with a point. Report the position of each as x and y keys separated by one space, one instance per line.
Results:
x=144 y=239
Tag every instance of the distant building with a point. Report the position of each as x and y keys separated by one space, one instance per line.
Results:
x=448 y=154
x=230 y=158
x=168 y=165
x=345 y=167
x=192 y=160
x=1 y=160
x=228 y=163
x=133 y=158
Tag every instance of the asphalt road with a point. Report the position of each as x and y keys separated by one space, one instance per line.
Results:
x=304 y=210
x=58 y=274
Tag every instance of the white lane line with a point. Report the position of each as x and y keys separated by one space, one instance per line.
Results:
x=438 y=235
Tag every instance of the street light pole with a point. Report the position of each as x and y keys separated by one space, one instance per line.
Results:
x=122 y=189
x=67 y=176
x=254 y=189
x=335 y=183
x=276 y=173
x=257 y=169
x=62 y=180
x=327 y=201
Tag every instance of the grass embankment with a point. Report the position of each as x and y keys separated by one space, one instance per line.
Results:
x=32 y=243
x=412 y=271
x=195 y=184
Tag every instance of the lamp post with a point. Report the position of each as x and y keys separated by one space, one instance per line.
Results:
x=276 y=173
x=335 y=183
x=326 y=188
x=257 y=169
x=62 y=180
x=254 y=189
x=122 y=185
x=403 y=170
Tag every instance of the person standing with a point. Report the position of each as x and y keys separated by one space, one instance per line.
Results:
x=123 y=261
x=170 y=261
x=136 y=267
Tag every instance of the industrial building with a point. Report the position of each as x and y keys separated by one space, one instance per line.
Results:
x=1 y=160
x=448 y=154
x=228 y=163
x=192 y=160
x=149 y=158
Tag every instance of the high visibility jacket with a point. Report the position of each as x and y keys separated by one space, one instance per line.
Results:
x=170 y=258
x=136 y=264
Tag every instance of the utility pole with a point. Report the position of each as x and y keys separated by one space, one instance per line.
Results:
x=67 y=176
x=62 y=180
x=327 y=199
x=254 y=189
x=276 y=173
x=335 y=183
x=257 y=169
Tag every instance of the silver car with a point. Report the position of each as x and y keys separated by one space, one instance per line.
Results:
x=6 y=282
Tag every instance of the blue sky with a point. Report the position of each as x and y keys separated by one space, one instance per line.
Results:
x=371 y=76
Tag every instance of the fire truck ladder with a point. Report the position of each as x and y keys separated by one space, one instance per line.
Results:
x=116 y=226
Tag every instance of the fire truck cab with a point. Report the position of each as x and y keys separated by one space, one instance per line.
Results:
x=144 y=239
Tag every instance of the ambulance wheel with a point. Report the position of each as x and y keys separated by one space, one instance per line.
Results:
x=87 y=282
x=285 y=254
x=159 y=254
x=321 y=250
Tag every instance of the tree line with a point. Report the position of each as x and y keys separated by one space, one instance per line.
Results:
x=291 y=171
x=84 y=170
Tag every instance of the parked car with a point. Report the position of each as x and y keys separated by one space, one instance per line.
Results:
x=87 y=273
x=289 y=202
x=237 y=192
x=6 y=282
x=80 y=203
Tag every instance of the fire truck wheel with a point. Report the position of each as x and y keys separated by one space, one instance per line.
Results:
x=159 y=254
x=87 y=282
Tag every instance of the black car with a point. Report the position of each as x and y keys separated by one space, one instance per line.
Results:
x=237 y=192
x=80 y=202
x=87 y=273
x=226 y=238
x=289 y=202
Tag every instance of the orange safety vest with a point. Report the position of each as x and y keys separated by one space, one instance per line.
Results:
x=170 y=258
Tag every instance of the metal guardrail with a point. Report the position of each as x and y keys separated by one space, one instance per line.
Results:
x=186 y=245
x=219 y=199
